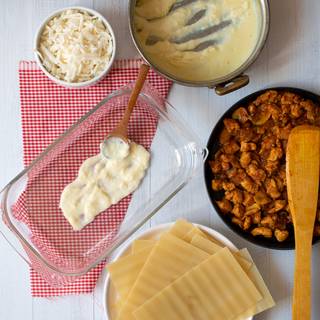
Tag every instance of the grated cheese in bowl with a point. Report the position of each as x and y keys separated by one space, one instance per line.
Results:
x=75 y=46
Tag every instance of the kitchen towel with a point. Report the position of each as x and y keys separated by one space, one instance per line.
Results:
x=47 y=110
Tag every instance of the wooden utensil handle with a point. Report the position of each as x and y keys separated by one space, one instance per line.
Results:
x=301 y=304
x=143 y=72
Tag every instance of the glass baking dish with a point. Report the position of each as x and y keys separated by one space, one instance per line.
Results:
x=31 y=219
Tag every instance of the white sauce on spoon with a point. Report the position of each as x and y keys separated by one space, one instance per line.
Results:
x=115 y=148
x=102 y=182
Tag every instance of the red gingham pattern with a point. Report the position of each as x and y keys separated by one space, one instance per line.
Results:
x=47 y=111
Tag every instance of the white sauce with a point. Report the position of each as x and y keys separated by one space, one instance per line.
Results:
x=102 y=182
x=232 y=46
x=115 y=148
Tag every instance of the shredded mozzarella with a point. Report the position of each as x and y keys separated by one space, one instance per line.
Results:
x=75 y=46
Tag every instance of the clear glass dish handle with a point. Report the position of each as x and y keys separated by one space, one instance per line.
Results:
x=205 y=153
x=8 y=235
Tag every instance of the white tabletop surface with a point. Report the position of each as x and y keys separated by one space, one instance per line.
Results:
x=291 y=58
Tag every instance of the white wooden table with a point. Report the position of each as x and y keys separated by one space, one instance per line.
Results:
x=291 y=57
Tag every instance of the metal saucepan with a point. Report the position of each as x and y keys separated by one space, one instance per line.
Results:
x=223 y=85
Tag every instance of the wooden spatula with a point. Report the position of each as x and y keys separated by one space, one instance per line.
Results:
x=117 y=144
x=303 y=162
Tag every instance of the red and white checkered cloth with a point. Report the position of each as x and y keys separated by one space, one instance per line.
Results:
x=47 y=111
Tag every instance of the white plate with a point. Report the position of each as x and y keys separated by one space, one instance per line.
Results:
x=109 y=293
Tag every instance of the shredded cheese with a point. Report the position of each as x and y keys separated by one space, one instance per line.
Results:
x=75 y=46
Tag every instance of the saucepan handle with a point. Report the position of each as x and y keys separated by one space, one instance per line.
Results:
x=232 y=85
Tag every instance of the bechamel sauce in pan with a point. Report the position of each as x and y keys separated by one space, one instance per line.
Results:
x=233 y=43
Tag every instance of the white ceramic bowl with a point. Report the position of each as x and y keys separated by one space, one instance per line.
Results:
x=109 y=293
x=75 y=84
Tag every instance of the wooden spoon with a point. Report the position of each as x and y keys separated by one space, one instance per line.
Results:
x=116 y=145
x=302 y=173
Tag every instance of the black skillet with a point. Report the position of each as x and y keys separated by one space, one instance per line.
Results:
x=213 y=145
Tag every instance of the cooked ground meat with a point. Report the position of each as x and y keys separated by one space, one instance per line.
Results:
x=249 y=166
